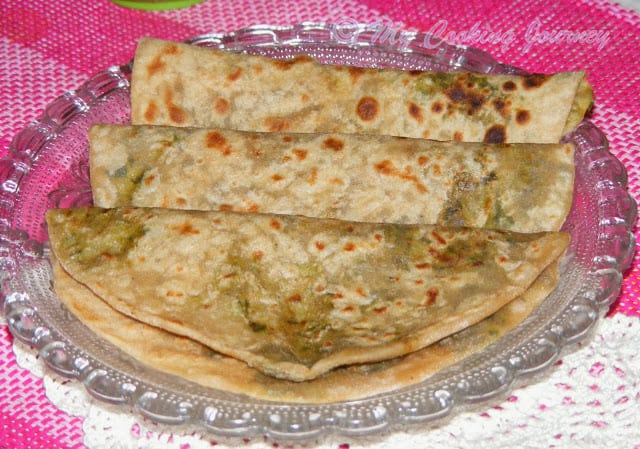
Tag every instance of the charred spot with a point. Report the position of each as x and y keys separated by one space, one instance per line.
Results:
x=367 y=108
x=287 y=64
x=509 y=86
x=533 y=81
x=225 y=207
x=415 y=72
x=287 y=139
x=523 y=117
x=501 y=106
x=277 y=177
x=495 y=134
x=378 y=237
x=423 y=266
x=331 y=143
x=458 y=136
x=234 y=76
x=295 y=298
x=456 y=94
x=319 y=245
x=221 y=106
x=475 y=102
x=437 y=107
x=416 y=112
x=257 y=255
x=380 y=310
x=181 y=201
x=423 y=160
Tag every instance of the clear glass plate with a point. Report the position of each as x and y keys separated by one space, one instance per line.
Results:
x=47 y=167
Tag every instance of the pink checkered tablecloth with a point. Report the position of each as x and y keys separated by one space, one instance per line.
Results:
x=48 y=47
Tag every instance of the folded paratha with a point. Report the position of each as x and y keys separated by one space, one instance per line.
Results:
x=185 y=85
x=517 y=187
x=293 y=296
x=193 y=361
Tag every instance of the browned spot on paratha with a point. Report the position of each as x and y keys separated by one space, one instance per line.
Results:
x=301 y=155
x=465 y=97
x=523 y=117
x=415 y=111
x=495 y=134
x=287 y=64
x=437 y=107
x=221 y=106
x=432 y=296
x=186 y=229
x=533 y=81
x=234 y=76
x=387 y=168
x=333 y=144
x=218 y=142
x=509 y=86
x=156 y=66
x=501 y=106
x=275 y=224
x=276 y=124
x=356 y=72
x=176 y=113
x=458 y=136
x=367 y=108
x=151 y=112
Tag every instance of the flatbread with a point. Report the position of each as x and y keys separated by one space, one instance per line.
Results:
x=293 y=296
x=516 y=187
x=195 y=362
x=179 y=84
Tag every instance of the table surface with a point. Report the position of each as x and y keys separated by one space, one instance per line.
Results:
x=48 y=47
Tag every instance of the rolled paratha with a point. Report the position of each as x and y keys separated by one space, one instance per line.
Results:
x=179 y=84
x=516 y=187
x=195 y=362
x=293 y=296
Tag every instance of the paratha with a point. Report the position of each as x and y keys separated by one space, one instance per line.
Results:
x=179 y=84
x=294 y=296
x=195 y=362
x=516 y=187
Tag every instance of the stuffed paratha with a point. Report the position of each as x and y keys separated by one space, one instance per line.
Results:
x=193 y=361
x=185 y=85
x=293 y=296
x=517 y=187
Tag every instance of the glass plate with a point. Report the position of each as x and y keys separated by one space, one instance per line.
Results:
x=47 y=167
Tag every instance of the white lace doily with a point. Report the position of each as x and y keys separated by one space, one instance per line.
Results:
x=589 y=399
